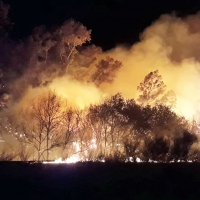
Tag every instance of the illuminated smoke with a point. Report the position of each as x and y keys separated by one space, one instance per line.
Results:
x=77 y=94
x=170 y=45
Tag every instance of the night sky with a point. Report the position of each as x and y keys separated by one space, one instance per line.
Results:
x=112 y=21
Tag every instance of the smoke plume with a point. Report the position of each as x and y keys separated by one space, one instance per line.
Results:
x=170 y=45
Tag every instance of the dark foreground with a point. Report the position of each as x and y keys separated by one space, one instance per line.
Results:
x=100 y=181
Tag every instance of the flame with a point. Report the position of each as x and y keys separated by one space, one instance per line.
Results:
x=72 y=159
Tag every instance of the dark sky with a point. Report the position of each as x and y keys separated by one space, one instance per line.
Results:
x=112 y=21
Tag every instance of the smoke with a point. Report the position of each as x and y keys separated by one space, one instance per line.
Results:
x=78 y=94
x=170 y=45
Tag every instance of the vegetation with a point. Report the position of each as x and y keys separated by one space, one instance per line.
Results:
x=119 y=129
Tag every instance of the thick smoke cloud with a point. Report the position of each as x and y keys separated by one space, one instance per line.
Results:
x=170 y=45
x=78 y=94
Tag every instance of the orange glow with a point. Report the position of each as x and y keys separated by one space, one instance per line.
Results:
x=170 y=45
x=78 y=94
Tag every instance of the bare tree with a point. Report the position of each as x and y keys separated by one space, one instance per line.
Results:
x=40 y=124
x=71 y=127
x=77 y=137
x=48 y=115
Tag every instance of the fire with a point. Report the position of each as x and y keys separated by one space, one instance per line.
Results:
x=72 y=159
x=170 y=45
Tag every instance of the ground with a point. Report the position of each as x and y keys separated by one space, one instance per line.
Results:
x=100 y=181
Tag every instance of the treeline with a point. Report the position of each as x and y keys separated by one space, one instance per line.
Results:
x=118 y=129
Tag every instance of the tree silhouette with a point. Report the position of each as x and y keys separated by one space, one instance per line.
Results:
x=153 y=91
x=106 y=71
x=106 y=122
x=157 y=149
x=181 y=146
x=152 y=87
x=40 y=125
x=48 y=116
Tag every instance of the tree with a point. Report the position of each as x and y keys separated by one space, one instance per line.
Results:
x=181 y=146
x=131 y=148
x=156 y=149
x=194 y=152
x=71 y=34
x=81 y=67
x=106 y=71
x=86 y=138
x=106 y=122
x=162 y=121
x=48 y=114
x=148 y=127
x=71 y=127
x=45 y=40
x=151 y=88
x=40 y=125
x=88 y=55
x=46 y=54
x=135 y=116
x=153 y=91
